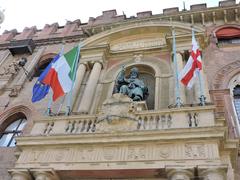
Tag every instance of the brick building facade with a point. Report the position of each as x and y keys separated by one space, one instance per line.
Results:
x=107 y=135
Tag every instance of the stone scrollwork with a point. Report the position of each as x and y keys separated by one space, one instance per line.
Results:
x=164 y=152
x=195 y=151
x=118 y=113
x=12 y=69
x=109 y=152
x=135 y=152
x=119 y=152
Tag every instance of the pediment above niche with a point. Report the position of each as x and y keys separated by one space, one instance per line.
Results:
x=141 y=36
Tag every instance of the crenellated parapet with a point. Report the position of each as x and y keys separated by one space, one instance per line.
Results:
x=8 y=35
x=26 y=34
x=199 y=14
x=109 y=16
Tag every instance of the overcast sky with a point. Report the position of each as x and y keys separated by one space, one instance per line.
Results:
x=27 y=13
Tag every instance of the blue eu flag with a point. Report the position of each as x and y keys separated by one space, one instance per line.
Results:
x=40 y=90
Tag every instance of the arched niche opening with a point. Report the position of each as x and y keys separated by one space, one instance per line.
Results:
x=147 y=75
x=42 y=64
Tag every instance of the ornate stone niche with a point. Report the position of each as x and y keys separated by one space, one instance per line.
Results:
x=146 y=74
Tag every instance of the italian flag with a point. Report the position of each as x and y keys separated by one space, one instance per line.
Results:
x=61 y=75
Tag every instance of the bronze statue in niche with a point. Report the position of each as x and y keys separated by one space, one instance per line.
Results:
x=133 y=87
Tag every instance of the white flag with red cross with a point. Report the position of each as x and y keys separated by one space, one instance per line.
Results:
x=189 y=72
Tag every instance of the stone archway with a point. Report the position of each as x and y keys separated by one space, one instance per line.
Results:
x=11 y=111
x=224 y=75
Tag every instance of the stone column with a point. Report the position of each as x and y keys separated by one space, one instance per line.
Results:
x=179 y=174
x=79 y=78
x=90 y=88
x=180 y=67
x=20 y=175
x=213 y=174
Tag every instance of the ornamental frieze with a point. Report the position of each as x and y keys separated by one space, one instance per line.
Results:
x=115 y=153
x=139 y=44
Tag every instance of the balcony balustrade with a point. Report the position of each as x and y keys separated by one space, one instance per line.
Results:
x=186 y=117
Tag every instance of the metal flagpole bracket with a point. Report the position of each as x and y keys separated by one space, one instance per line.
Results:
x=178 y=104
x=50 y=113
x=202 y=99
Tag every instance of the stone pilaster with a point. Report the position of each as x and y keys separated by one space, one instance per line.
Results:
x=90 y=88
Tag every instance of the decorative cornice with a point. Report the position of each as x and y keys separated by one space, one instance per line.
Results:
x=134 y=136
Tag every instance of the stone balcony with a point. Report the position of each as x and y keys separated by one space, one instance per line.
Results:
x=133 y=120
x=124 y=135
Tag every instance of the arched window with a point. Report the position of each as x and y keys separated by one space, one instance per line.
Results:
x=228 y=35
x=234 y=86
x=7 y=136
x=236 y=99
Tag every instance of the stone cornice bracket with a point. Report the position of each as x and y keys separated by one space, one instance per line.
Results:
x=20 y=174
x=46 y=174
x=179 y=172
x=90 y=59
x=218 y=172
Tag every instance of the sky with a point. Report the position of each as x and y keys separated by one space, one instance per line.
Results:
x=28 y=13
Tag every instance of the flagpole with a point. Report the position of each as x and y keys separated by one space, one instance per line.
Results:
x=49 y=111
x=69 y=97
x=60 y=106
x=177 y=85
x=202 y=98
